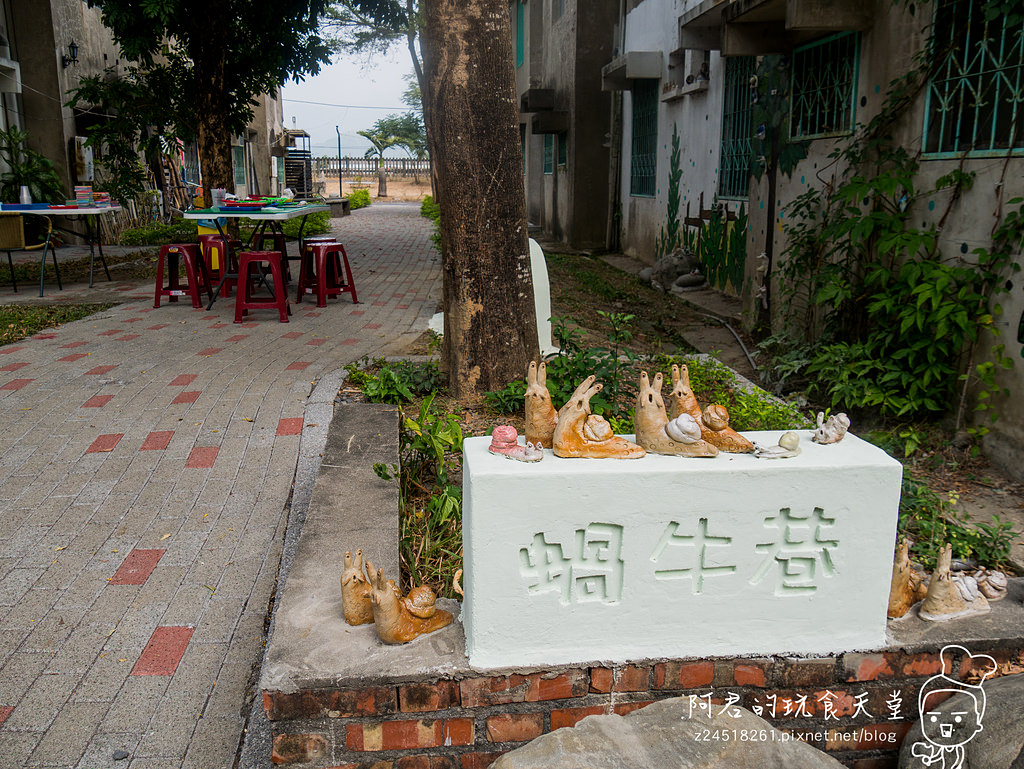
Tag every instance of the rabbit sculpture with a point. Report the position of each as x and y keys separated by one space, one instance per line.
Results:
x=355 y=591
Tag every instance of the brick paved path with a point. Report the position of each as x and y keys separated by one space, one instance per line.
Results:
x=145 y=469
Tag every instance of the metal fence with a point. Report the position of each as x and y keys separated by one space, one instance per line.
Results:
x=407 y=167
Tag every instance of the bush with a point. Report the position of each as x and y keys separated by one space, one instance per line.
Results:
x=158 y=234
x=316 y=224
x=359 y=199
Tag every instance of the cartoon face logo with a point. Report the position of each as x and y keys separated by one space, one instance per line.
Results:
x=955 y=726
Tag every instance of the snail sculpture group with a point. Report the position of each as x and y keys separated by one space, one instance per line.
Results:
x=679 y=428
x=372 y=598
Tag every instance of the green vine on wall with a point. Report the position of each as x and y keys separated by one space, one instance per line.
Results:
x=669 y=239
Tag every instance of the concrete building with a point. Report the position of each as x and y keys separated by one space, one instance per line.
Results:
x=565 y=118
x=841 y=57
x=51 y=45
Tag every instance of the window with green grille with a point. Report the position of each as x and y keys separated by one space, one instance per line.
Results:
x=563 y=149
x=238 y=158
x=520 y=32
x=734 y=165
x=644 y=149
x=549 y=153
x=974 y=99
x=824 y=87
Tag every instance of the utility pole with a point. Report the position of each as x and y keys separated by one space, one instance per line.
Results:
x=338 y=130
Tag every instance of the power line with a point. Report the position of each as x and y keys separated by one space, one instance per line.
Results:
x=342 y=106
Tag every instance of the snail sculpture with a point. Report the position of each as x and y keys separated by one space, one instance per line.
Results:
x=505 y=442
x=906 y=587
x=582 y=434
x=789 y=446
x=659 y=435
x=541 y=416
x=951 y=595
x=713 y=421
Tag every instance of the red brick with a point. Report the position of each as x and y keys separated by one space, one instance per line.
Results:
x=350 y=341
x=499 y=690
x=9 y=350
x=809 y=672
x=136 y=568
x=298 y=748
x=182 y=380
x=628 y=678
x=72 y=345
x=479 y=760
x=97 y=401
x=158 y=440
x=289 y=426
x=5 y=711
x=14 y=366
x=157 y=327
x=73 y=357
x=292 y=335
x=1006 y=660
x=100 y=370
x=625 y=708
x=237 y=338
x=342 y=703
x=202 y=457
x=913 y=665
x=299 y=365
x=749 y=674
x=316 y=342
x=420 y=762
x=572 y=716
x=210 y=351
x=421 y=698
x=104 y=443
x=127 y=337
x=515 y=727
x=112 y=332
x=189 y=396
x=163 y=652
x=866 y=667
x=843 y=703
x=406 y=735
x=16 y=384
x=683 y=675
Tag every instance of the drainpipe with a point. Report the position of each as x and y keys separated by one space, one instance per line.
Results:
x=613 y=231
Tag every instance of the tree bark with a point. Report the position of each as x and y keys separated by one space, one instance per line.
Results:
x=490 y=329
x=213 y=118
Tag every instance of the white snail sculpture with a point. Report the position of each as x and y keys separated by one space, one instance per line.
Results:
x=789 y=446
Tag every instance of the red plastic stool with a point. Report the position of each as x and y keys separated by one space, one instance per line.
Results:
x=320 y=273
x=196 y=274
x=277 y=242
x=244 y=301
x=214 y=249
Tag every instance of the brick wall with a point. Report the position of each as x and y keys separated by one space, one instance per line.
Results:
x=469 y=722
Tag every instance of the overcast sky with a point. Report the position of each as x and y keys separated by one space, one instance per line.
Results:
x=363 y=93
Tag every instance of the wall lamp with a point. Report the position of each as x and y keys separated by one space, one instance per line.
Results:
x=71 y=57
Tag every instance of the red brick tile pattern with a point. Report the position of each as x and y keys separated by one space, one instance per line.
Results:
x=136 y=568
x=157 y=440
x=100 y=370
x=189 y=396
x=202 y=457
x=104 y=443
x=164 y=651
x=97 y=401
x=16 y=384
x=289 y=426
x=182 y=380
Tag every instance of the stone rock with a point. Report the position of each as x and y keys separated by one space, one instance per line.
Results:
x=667 y=734
x=1000 y=743
x=671 y=267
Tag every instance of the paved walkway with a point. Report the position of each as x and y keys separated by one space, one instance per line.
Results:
x=145 y=476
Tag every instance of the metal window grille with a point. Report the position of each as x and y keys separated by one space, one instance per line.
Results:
x=549 y=153
x=520 y=32
x=974 y=99
x=644 y=157
x=563 y=149
x=734 y=166
x=238 y=156
x=824 y=87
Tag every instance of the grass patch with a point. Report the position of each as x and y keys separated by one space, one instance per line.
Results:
x=22 y=321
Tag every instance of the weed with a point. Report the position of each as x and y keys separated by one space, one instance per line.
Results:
x=20 y=321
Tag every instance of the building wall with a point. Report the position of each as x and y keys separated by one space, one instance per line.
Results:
x=886 y=51
x=565 y=53
x=652 y=26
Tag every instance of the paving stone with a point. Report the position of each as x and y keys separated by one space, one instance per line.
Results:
x=69 y=735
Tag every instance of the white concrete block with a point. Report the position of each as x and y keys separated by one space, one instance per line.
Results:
x=580 y=560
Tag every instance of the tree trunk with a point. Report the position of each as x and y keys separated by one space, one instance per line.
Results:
x=490 y=329
x=213 y=133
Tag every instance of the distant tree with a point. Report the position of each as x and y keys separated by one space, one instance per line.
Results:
x=219 y=55
x=405 y=131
